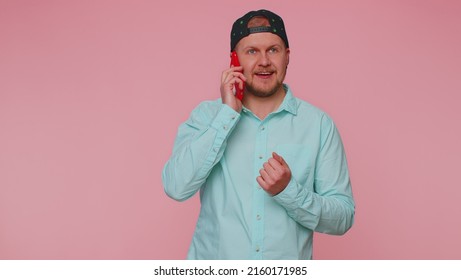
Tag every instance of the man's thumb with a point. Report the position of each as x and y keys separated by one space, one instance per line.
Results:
x=278 y=158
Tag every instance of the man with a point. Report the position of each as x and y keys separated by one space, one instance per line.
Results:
x=271 y=169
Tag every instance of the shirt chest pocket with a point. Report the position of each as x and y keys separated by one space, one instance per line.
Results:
x=299 y=159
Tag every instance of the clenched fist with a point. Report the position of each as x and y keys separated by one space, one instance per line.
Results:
x=275 y=175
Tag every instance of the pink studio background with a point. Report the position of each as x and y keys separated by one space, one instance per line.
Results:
x=92 y=93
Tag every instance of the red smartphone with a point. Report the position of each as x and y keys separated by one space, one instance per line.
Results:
x=235 y=62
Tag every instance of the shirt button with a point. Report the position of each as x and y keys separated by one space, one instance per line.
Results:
x=262 y=128
x=258 y=217
x=225 y=127
x=257 y=249
x=260 y=157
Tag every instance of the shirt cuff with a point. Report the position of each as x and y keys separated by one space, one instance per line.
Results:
x=225 y=119
x=289 y=197
x=223 y=124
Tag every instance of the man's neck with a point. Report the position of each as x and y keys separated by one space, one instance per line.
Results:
x=263 y=106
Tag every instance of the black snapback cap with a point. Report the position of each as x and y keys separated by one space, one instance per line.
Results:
x=240 y=27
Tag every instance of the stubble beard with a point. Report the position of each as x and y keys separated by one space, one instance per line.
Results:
x=261 y=92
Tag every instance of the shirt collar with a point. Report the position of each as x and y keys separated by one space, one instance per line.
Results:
x=289 y=103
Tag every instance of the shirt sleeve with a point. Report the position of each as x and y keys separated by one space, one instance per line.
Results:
x=199 y=145
x=330 y=207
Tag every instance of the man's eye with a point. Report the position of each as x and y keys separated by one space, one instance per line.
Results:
x=273 y=50
x=251 y=51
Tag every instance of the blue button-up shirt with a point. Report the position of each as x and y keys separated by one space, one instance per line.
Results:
x=220 y=152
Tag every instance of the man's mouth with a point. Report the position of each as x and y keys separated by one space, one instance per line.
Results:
x=264 y=74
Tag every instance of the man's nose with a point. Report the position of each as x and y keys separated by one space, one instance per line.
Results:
x=264 y=59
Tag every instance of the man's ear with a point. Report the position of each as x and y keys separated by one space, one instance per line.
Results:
x=288 y=56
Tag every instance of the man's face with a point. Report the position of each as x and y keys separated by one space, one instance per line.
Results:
x=264 y=58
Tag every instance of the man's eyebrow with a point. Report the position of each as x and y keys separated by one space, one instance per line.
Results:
x=256 y=47
x=275 y=45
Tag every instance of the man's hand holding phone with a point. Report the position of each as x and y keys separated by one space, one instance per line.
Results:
x=232 y=85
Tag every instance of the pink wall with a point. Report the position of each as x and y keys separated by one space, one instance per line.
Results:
x=92 y=92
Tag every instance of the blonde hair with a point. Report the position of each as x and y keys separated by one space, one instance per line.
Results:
x=258 y=21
